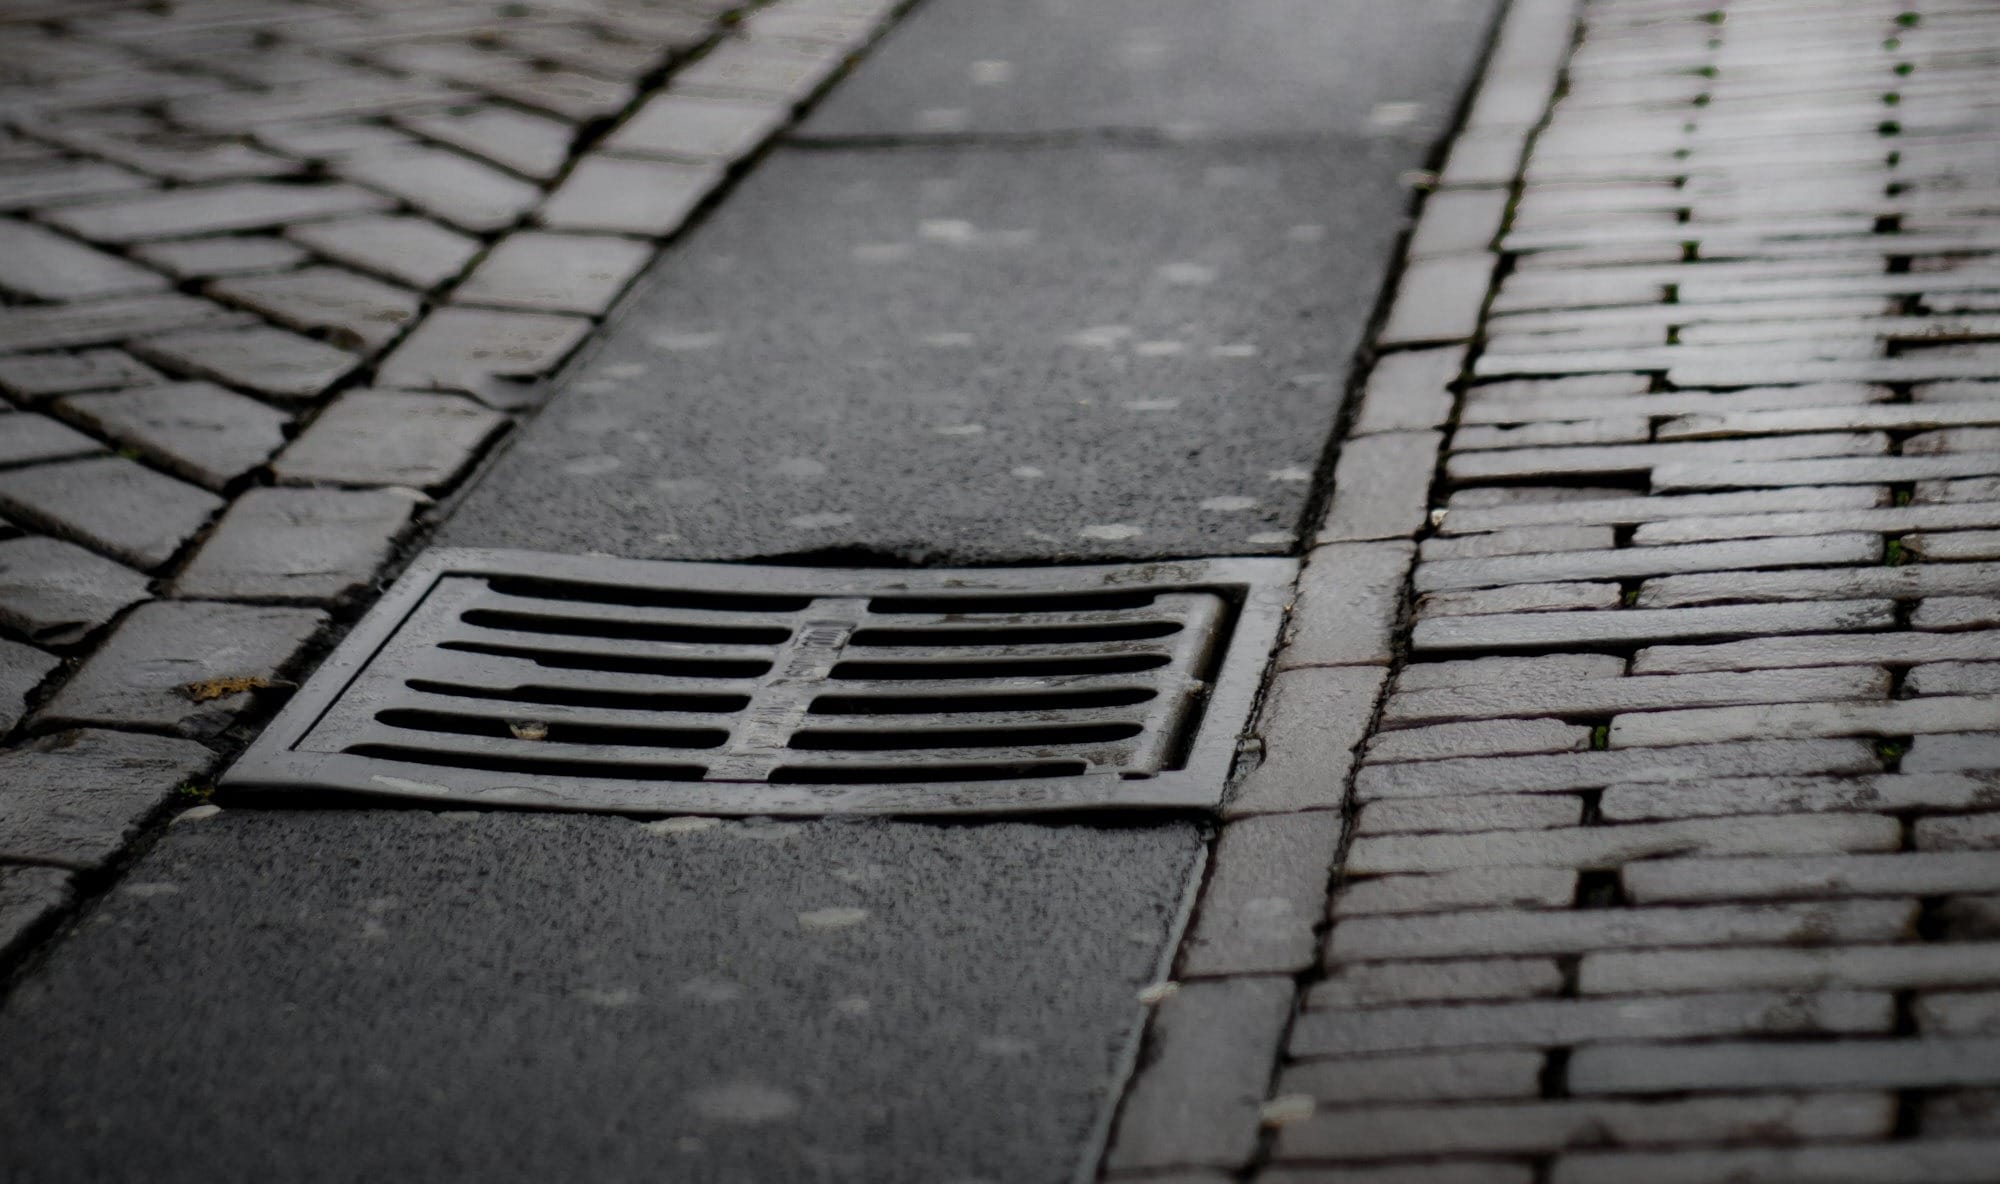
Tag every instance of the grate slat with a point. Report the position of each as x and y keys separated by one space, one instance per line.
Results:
x=517 y=712
x=696 y=618
x=501 y=672
x=515 y=639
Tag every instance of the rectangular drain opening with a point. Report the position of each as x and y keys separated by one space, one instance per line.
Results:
x=649 y=687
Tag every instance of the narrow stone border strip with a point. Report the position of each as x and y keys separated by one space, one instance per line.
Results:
x=1187 y=1113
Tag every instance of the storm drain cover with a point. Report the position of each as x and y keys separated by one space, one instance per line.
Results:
x=588 y=683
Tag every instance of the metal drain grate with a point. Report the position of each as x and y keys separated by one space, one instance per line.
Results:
x=626 y=685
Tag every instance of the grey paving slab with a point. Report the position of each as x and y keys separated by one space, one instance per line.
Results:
x=1193 y=67
x=1887 y=520
x=190 y=668
x=1762 y=653
x=1861 y=1063
x=531 y=145
x=1884 y=792
x=348 y=310
x=493 y=355
x=1448 y=890
x=1572 y=463
x=1265 y=889
x=1954 y=678
x=1554 y=542
x=56 y=592
x=1509 y=933
x=422 y=441
x=1438 y=300
x=471 y=196
x=1558 y=772
x=1473 y=812
x=1942 y=713
x=1421 y=1077
x=76 y=798
x=228 y=255
x=1903 y=1161
x=28 y=439
x=1908 y=582
x=1381 y=487
x=1458 y=222
x=1613 y=430
x=1409 y=391
x=270 y=361
x=1533 y=630
x=1600 y=697
x=400 y=247
x=1602 y=847
x=30 y=183
x=1957 y=612
x=43 y=265
x=1521 y=598
x=762 y=68
x=105 y=322
x=1470 y=673
x=1313 y=719
x=1371 y=984
x=617 y=195
x=1955 y=546
x=1541 y=1127
x=734 y=1001
x=1196 y=1103
x=195 y=429
x=1465 y=517
x=1941 y=965
x=540 y=272
x=178 y=213
x=1835 y=471
x=967 y=353
x=694 y=127
x=1967 y=751
x=310 y=546
x=1488 y=737
x=113 y=505
x=1970 y=489
x=1628 y=562
x=1350 y=597
x=33 y=377
x=1932 y=873
x=1970 y=832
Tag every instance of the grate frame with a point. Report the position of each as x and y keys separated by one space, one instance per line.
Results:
x=369 y=672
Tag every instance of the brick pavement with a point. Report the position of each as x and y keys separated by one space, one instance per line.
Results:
x=1624 y=805
x=274 y=274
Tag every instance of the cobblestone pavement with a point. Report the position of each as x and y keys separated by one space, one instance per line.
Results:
x=1646 y=676
x=274 y=274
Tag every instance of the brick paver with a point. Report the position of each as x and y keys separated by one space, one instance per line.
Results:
x=1668 y=852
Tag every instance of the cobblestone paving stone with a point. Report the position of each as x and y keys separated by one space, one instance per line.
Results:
x=254 y=258
x=1700 y=646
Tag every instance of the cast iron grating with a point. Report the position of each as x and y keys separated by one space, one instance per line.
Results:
x=635 y=686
